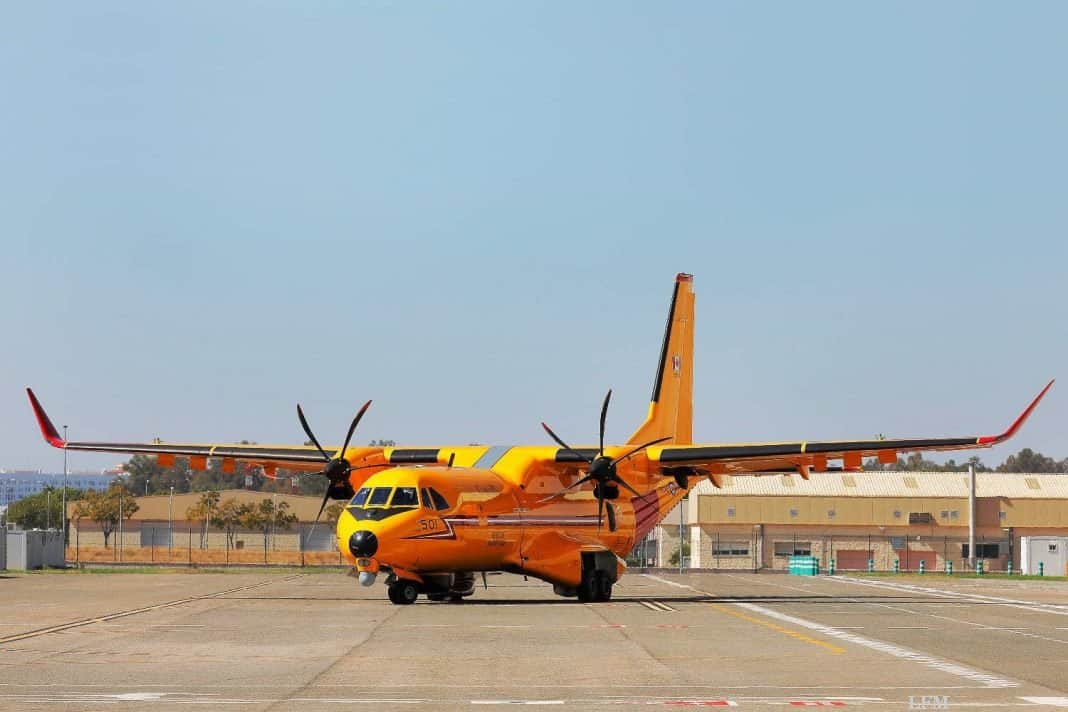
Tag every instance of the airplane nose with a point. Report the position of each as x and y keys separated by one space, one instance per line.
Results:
x=363 y=544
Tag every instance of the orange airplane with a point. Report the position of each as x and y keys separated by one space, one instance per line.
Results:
x=430 y=518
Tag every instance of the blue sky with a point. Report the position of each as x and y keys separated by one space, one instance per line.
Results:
x=473 y=213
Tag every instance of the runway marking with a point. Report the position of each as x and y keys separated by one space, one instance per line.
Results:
x=897 y=651
x=834 y=649
x=134 y=611
x=1033 y=606
x=657 y=606
x=1048 y=701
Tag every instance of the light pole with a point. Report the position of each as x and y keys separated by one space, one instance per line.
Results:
x=170 y=524
x=64 y=506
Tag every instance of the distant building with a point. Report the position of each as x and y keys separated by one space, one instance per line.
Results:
x=757 y=523
x=17 y=485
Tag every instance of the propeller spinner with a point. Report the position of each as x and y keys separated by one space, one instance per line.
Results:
x=602 y=470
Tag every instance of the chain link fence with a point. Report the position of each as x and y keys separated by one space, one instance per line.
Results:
x=193 y=544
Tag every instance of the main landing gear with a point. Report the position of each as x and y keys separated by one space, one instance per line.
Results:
x=598 y=575
x=595 y=587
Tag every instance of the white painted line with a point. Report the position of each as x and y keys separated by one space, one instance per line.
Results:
x=1052 y=608
x=907 y=627
x=517 y=702
x=1048 y=701
x=890 y=649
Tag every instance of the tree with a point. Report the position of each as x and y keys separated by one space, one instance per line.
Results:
x=1027 y=460
x=266 y=517
x=333 y=512
x=230 y=517
x=673 y=560
x=104 y=507
x=204 y=510
x=41 y=510
x=145 y=476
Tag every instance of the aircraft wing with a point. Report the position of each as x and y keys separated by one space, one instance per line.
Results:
x=802 y=456
x=292 y=457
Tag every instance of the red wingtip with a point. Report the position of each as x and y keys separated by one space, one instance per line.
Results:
x=683 y=277
x=994 y=439
x=47 y=429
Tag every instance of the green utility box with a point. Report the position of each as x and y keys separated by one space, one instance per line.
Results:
x=804 y=566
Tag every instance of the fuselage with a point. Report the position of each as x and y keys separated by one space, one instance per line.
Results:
x=427 y=520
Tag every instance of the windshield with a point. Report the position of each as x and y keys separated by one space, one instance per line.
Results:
x=379 y=496
x=378 y=503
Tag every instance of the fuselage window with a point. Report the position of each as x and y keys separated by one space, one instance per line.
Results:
x=427 y=504
x=405 y=497
x=439 y=501
x=379 y=496
x=361 y=497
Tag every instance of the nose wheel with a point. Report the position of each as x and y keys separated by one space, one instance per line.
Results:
x=403 y=592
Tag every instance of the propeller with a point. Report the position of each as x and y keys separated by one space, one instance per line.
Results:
x=337 y=469
x=602 y=470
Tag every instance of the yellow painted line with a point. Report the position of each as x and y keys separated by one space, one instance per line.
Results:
x=833 y=649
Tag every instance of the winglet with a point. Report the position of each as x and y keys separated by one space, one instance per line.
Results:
x=47 y=429
x=995 y=439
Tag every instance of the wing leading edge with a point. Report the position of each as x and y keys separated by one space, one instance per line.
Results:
x=294 y=457
x=755 y=458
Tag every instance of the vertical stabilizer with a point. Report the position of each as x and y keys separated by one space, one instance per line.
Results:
x=671 y=407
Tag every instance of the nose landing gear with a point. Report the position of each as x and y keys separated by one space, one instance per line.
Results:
x=403 y=592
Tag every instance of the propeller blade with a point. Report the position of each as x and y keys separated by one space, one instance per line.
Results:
x=583 y=481
x=604 y=414
x=326 y=497
x=638 y=449
x=600 y=510
x=352 y=428
x=485 y=583
x=620 y=480
x=309 y=433
x=611 y=517
x=564 y=445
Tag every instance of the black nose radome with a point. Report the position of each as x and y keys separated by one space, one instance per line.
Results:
x=363 y=543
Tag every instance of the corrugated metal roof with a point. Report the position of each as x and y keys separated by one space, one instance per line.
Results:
x=894 y=484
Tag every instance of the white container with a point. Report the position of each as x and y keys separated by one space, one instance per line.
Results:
x=34 y=549
x=1051 y=551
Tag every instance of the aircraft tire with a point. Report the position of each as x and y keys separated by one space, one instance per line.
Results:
x=591 y=587
x=604 y=589
x=403 y=592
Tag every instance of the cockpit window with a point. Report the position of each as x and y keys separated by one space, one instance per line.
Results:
x=439 y=501
x=405 y=497
x=427 y=504
x=361 y=497
x=379 y=496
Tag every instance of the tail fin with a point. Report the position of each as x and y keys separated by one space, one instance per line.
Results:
x=671 y=407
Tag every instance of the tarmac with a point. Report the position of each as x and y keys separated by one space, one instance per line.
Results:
x=263 y=640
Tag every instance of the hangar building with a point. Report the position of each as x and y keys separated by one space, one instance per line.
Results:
x=756 y=523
